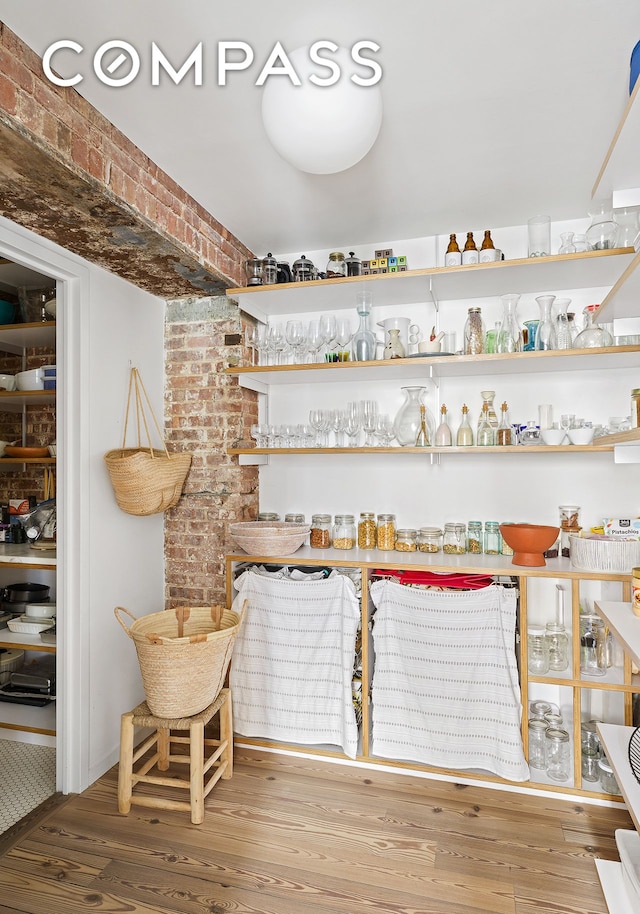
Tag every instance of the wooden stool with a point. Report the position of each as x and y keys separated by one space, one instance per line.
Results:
x=199 y=763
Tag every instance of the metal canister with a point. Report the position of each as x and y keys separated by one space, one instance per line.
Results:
x=354 y=265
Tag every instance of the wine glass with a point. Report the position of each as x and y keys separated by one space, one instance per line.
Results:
x=328 y=330
x=353 y=423
x=250 y=342
x=384 y=430
x=261 y=341
x=314 y=338
x=338 y=425
x=294 y=335
x=277 y=342
x=343 y=338
x=369 y=419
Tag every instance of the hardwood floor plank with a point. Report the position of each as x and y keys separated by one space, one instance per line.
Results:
x=81 y=870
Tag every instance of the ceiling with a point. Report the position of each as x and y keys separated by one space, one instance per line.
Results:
x=493 y=111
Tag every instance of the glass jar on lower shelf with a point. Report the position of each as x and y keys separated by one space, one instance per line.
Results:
x=344 y=532
x=320 y=537
x=607 y=777
x=429 y=539
x=386 y=531
x=406 y=540
x=455 y=539
x=538 y=743
x=558 y=751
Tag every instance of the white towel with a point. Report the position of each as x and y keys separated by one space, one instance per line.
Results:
x=292 y=668
x=445 y=683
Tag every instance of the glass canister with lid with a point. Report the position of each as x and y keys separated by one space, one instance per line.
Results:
x=492 y=537
x=537 y=742
x=558 y=754
x=320 y=537
x=455 y=538
x=386 y=538
x=344 y=532
x=337 y=266
x=607 y=777
x=294 y=518
x=268 y=515
x=429 y=539
x=474 y=537
x=367 y=530
x=406 y=540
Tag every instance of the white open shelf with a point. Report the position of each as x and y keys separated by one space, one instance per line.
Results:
x=24 y=717
x=613 y=887
x=625 y=626
x=615 y=740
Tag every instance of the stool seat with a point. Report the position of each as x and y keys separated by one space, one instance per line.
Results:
x=219 y=757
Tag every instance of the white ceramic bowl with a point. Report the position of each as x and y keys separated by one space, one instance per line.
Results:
x=40 y=610
x=30 y=380
x=580 y=435
x=429 y=346
x=7 y=382
x=553 y=435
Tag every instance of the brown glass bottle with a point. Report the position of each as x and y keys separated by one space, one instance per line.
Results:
x=487 y=243
x=505 y=432
x=470 y=252
x=453 y=255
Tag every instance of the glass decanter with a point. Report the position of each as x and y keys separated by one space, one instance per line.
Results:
x=566 y=243
x=363 y=344
x=407 y=422
x=464 y=436
x=510 y=335
x=487 y=400
x=530 y=434
x=394 y=348
x=564 y=339
x=593 y=335
x=486 y=436
x=443 y=438
x=603 y=231
x=546 y=332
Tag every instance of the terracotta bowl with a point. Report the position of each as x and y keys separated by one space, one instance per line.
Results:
x=529 y=542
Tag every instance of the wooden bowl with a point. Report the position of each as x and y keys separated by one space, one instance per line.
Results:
x=25 y=452
x=529 y=542
x=268 y=537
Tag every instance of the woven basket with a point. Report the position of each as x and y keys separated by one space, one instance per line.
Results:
x=607 y=554
x=145 y=480
x=184 y=655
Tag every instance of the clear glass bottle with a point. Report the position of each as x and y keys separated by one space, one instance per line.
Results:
x=474 y=332
x=363 y=344
x=593 y=335
x=488 y=397
x=337 y=266
x=394 y=348
x=492 y=538
x=530 y=434
x=406 y=540
x=406 y=424
x=464 y=435
x=558 y=646
x=470 y=251
x=367 y=530
x=444 y=437
x=344 y=532
x=537 y=743
x=537 y=652
x=453 y=255
x=558 y=754
x=504 y=435
x=474 y=537
x=510 y=335
x=429 y=539
x=566 y=243
x=546 y=332
x=386 y=536
x=320 y=536
x=454 y=538
x=564 y=338
x=486 y=436
x=422 y=438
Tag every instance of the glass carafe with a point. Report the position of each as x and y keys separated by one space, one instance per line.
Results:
x=603 y=231
x=407 y=423
x=488 y=398
x=563 y=328
x=546 y=332
x=593 y=335
x=363 y=343
x=510 y=334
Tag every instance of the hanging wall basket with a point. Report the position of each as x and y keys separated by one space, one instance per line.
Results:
x=145 y=480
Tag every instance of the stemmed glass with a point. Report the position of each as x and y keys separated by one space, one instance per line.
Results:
x=343 y=338
x=328 y=330
x=296 y=338
x=259 y=433
x=314 y=339
x=369 y=419
x=353 y=423
x=277 y=342
x=338 y=425
x=320 y=419
x=384 y=430
x=261 y=342
x=250 y=342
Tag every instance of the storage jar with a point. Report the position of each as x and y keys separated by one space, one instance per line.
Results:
x=492 y=538
x=406 y=540
x=590 y=751
x=268 y=515
x=537 y=652
x=557 y=645
x=337 y=266
x=454 y=539
x=429 y=539
x=474 y=537
x=367 y=531
x=320 y=531
x=386 y=531
x=294 y=519
x=344 y=532
x=558 y=754
x=607 y=777
x=537 y=743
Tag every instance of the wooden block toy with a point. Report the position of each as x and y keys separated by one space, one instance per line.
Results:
x=373 y=264
x=392 y=261
x=402 y=261
x=382 y=262
x=393 y=269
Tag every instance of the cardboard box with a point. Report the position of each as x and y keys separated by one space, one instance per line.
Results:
x=621 y=526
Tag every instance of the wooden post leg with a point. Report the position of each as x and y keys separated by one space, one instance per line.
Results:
x=226 y=735
x=125 y=768
x=196 y=766
x=163 y=748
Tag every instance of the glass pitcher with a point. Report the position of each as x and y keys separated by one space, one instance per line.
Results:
x=593 y=335
x=407 y=423
x=509 y=335
x=546 y=332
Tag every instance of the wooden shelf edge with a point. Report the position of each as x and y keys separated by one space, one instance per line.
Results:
x=629 y=437
x=475 y=450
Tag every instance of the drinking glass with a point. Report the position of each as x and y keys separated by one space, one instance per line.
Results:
x=384 y=430
x=353 y=423
x=277 y=342
x=369 y=410
x=320 y=419
x=261 y=340
x=328 y=330
x=295 y=336
x=314 y=339
x=250 y=342
x=338 y=425
x=343 y=338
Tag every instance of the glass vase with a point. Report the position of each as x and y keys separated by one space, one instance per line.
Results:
x=363 y=344
x=407 y=422
x=546 y=332
x=564 y=338
x=510 y=335
x=566 y=243
x=593 y=336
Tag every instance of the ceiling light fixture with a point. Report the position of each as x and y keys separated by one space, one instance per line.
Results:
x=321 y=129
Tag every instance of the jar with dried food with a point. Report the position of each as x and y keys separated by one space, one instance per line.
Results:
x=367 y=531
x=386 y=531
x=406 y=540
x=474 y=332
x=429 y=539
x=344 y=532
x=337 y=266
x=474 y=537
x=320 y=537
x=455 y=539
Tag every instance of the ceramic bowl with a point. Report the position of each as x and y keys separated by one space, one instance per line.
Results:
x=580 y=435
x=30 y=380
x=429 y=346
x=553 y=435
x=40 y=610
x=7 y=382
x=268 y=537
x=529 y=542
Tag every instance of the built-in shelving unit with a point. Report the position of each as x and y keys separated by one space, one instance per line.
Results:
x=462 y=451
x=618 y=175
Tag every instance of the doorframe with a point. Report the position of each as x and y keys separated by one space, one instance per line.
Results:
x=72 y=488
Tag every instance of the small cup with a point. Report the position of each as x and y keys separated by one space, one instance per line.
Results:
x=449 y=341
x=545 y=415
x=539 y=236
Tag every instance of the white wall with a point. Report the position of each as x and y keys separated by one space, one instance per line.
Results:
x=105 y=557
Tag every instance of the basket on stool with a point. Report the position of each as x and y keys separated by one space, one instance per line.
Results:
x=205 y=770
x=184 y=655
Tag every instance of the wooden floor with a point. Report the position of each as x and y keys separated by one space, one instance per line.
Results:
x=296 y=836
